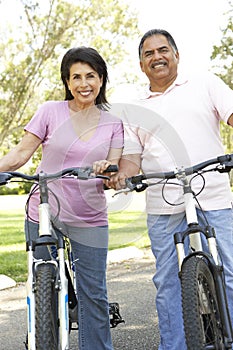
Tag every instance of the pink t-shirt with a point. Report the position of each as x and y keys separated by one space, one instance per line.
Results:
x=180 y=127
x=82 y=202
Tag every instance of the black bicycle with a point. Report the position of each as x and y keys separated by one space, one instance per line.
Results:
x=206 y=317
x=51 y=287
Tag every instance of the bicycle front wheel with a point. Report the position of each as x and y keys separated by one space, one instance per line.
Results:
x=46 y=326
x=202 y=323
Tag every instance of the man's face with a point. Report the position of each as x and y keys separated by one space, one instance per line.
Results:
x=158 y=60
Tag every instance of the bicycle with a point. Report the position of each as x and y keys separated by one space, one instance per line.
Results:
x=51 y=289
x=206 y=316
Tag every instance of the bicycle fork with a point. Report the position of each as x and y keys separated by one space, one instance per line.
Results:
x=61 y=283
x=61 y=286
x=63 y=301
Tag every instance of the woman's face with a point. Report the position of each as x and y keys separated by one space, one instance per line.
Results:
x=84 y=84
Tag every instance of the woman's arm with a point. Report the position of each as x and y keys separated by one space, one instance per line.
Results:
x=113 y=157
x=20 y=154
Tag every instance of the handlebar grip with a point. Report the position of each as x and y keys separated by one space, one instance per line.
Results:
x=225 y=158
x=227 y=162
x=4 y=178
x=111 y=169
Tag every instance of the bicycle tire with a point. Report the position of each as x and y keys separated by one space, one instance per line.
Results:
x=202 y=324
x=46 y=327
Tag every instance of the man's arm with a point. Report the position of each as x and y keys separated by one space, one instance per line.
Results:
x=113 y=158
x=129 y=165
x=230 y=120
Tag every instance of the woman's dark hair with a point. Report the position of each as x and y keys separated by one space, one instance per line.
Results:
x=156 y=32
x=91 y=57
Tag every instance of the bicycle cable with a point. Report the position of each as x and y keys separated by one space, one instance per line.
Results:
x=34 y=190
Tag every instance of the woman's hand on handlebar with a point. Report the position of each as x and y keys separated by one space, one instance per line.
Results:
x=100 y=166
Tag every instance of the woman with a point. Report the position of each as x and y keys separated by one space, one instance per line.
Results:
x=78 y=132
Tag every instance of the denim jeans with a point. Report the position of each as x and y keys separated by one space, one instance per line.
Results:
x=93 y=310
x=161 y=229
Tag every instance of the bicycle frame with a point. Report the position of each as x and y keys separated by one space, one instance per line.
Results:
x=62 y=279
x=193 y=227
x=194 y=231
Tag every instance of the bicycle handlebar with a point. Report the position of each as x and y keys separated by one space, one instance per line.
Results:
x=225 y=165
x=83 y=173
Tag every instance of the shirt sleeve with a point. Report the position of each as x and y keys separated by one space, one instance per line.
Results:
x=132 y=144
x=128 y=114
x=222 y=97
x=38 y=125
x=118 y=134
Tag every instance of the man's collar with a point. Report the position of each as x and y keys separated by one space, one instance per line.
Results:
x=147 y=93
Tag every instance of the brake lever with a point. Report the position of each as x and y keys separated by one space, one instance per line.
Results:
x=141 y=187
x=83 y=174
x=104 y=177
x=138 y=187
x=130 y=185
x=123 y=190
x=225 y=168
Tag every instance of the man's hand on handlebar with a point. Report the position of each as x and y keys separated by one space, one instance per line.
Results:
x=129 y=165
x=117 y=181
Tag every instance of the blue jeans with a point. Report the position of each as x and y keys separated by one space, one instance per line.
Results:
x=161 y=229
x=93 y=310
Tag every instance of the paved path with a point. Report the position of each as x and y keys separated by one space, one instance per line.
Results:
x=129 y=283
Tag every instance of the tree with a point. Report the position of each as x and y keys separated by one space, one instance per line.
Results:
x=31 y=52
x=222 y=56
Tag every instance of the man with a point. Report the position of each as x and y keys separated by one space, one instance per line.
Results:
x=176 y=123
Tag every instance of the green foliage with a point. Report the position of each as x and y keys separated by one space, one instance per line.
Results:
x=5 y=190
x=31 y=52
x=223 y=53
x=222 y=57
x=227 y=137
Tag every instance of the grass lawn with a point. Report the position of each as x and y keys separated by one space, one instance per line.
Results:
x=126 y=228
x=13 y=258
